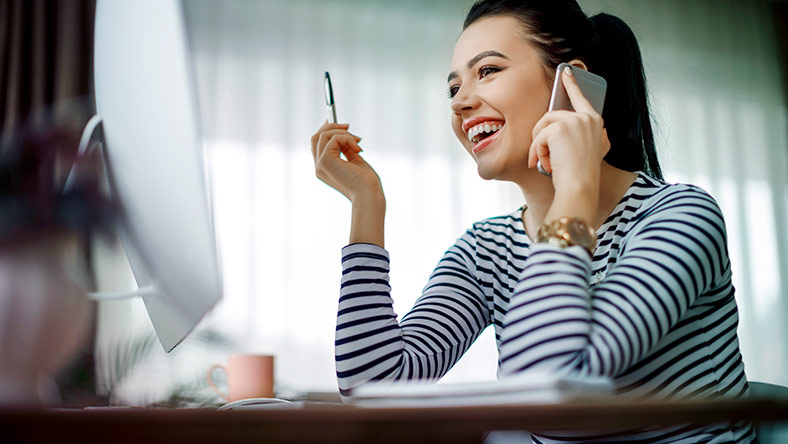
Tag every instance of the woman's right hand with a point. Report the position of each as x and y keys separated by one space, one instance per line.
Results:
x=353 y=177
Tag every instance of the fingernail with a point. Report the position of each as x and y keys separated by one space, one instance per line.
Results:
x=568 y=70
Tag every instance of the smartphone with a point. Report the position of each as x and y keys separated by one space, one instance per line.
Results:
x=594 y=88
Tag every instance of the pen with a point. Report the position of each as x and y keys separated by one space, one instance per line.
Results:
x=332 y=111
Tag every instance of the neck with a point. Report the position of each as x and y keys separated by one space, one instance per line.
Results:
x=538 y=192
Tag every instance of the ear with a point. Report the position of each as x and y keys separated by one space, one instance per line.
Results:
x=578 y=63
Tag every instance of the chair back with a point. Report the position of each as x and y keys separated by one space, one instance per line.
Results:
x=771 y=433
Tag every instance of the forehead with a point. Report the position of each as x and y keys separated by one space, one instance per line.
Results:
x=500 y=33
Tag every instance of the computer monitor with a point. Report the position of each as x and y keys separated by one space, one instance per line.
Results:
x=147 y=103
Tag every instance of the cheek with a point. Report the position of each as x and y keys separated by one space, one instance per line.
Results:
x=526 y=114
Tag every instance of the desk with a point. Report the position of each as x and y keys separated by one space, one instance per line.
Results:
x=326 y=423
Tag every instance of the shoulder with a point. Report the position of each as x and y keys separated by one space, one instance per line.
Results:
x=680 y=200
x=681 y=220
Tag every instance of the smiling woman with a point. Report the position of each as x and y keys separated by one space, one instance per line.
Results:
x=607 y=270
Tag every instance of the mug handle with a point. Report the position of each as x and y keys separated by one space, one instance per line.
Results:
x=213 y=386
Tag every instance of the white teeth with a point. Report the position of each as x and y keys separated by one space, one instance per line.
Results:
x=482 y=127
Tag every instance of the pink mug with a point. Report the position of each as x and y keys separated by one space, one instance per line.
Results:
x=249 y=376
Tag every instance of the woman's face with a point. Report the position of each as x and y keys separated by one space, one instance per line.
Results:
x=497 y=82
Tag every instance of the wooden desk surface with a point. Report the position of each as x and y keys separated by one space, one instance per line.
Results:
x=326 y=423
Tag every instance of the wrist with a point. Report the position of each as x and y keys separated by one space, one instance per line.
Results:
x=576 y=199
x=369 y=194
x=369 y=201
x=587 y=182
x=567 y=232
x=573 y=205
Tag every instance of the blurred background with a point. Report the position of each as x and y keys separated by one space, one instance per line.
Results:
x=718 y=85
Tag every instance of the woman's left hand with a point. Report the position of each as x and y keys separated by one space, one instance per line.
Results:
x=571 y=144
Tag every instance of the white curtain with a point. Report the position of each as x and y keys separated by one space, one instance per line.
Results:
x=716 y=94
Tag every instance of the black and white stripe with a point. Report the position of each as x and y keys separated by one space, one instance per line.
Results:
x=654 y=308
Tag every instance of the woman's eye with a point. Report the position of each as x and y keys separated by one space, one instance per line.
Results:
x=452 y=91
x=484 y=71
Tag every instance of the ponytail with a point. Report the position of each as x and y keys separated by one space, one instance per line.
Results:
x=615 y=55
x=560 y=31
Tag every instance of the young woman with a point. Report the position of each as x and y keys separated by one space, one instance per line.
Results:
x=606 y=270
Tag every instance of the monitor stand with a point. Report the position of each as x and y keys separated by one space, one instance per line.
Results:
x=93 y=139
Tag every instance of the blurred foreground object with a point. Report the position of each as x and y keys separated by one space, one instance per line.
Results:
x=45 y=234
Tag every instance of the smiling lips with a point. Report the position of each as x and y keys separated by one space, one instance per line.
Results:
x=481 y=131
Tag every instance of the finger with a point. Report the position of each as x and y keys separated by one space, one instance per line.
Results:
x=328 y=162
x=576 y=97
x=548 y=118
x=326 y=136
x=353 y=155
x=542 y=130
x=344 y=143
x=328 y=127
x=532 y=155
x=325 y=127
x=540 y=151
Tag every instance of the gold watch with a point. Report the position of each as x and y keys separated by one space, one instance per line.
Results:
x=567 y=232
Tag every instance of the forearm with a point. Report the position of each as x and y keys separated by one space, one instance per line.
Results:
x=368 y=338
x=442 y=325
x=367 y=220
x=548 y=323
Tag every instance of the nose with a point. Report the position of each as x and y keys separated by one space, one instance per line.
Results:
x=464 y=100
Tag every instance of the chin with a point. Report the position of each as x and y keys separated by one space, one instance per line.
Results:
x=486 y=172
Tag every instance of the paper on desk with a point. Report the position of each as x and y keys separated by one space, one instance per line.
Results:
x=529 y=389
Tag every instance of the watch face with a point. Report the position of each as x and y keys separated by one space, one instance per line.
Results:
x=581 y=233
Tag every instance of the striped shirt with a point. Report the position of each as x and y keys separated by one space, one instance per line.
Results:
x=654 y=309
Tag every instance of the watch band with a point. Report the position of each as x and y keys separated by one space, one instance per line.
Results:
x=566 y=232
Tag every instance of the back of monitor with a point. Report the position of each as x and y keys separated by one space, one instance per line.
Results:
x=146 y=97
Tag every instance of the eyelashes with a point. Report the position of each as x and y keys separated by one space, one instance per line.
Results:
x=484 y=71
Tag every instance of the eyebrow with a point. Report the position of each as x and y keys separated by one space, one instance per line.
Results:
x=475 y=59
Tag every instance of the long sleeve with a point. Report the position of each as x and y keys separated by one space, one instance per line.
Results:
x=674 y=253
x=654 y=309
x=430 y=339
